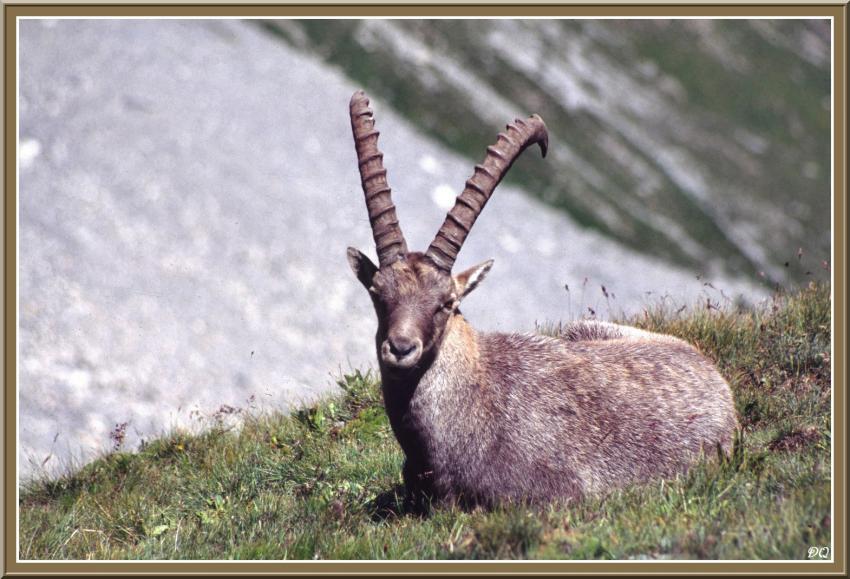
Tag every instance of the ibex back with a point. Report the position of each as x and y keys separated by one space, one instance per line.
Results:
x=484 y=418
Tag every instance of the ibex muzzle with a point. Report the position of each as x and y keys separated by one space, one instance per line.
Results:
x=484 y=418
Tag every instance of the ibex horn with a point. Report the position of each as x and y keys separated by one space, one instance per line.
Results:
x=518 y=136
x=389 y=241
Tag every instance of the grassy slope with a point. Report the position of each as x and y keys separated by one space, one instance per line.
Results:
x=324 y=482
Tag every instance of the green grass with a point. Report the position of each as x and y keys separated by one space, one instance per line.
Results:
x=325 y=482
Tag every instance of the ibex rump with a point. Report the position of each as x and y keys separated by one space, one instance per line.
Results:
x=484 y=418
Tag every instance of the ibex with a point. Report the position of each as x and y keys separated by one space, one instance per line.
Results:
x=485 y=418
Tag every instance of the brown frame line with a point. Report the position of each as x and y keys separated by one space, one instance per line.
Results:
x=839 y=14
x=436 y=11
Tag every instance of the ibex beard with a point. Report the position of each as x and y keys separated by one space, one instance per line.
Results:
x=485 y=418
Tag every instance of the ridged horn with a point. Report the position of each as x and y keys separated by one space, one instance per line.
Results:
x=389 y=240
x=518 y=136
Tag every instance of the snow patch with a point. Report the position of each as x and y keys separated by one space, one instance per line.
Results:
x=444 y=196
x=28 y=150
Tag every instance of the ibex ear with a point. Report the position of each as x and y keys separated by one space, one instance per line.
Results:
x=468 y=280
x=362 y=267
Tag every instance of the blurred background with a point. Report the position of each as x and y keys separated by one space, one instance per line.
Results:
x=188 y=189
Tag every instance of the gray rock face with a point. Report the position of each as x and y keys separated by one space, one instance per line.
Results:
x=187 y=193
x=699 y=141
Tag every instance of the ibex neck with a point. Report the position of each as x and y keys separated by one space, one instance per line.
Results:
x=459 y=353
x=438 y=399
x=448 y=381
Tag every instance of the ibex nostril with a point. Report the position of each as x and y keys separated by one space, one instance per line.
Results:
x=402 y=347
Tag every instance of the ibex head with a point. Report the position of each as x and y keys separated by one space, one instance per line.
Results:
x=414 y=293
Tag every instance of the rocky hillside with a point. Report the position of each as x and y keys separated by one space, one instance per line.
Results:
x=706 y=142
